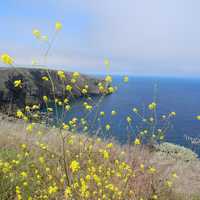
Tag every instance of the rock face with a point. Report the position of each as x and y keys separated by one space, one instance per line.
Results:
x=34 y=88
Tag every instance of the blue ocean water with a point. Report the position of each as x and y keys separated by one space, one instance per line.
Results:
x=181 y=95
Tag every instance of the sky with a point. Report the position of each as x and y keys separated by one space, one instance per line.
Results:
x=139 y=37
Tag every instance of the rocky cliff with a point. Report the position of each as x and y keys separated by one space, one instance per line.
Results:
x=34 y=88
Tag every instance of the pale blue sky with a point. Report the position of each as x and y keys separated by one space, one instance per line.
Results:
x=148 y=37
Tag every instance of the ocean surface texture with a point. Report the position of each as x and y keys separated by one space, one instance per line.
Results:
x=181 y=95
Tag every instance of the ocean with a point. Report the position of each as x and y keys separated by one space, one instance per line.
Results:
x=181 y=95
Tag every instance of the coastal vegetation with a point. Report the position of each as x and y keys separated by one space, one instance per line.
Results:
x=42 y=161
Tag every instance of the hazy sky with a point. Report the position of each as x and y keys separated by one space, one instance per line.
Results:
x=138 y=36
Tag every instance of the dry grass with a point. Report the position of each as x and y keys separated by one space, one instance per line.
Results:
x=133 y=183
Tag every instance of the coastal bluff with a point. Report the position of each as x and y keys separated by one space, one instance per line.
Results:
x=34 y=88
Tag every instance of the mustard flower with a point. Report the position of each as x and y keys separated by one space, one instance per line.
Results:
x=84 y=91
x=68 y=192
x=110 y=145
x=29 y=127
x=108 y=79
x=18 y=83
x=6 y=59
x=36 y=33
x=108 y=127
x=73 y=80
x=135 y=110
x=65 y=126
x=74 y=166
x=19 y=114
x=173 y=113
x=169 y=183
x=125 y=79
x=50 y=109
x=198 y=117
x=174 y=175
x=23 y=174
x=111 y=89
x=137 y=141
x=142 y=167
x=152 y=106
x=152 y=170
x=129 y=119
x=61 y=74
x=33 y=62
x=45 y=98
x=58 y=26
x=45 y=78
x=106 y=62
x=155 y=197
x=52 y=189
x=76 y=75
x=102 y=113
x=113 y=112
x=66 y=100
x=68 y=88
x=67 y=107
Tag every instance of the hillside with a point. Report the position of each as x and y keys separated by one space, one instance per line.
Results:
x=34 y=88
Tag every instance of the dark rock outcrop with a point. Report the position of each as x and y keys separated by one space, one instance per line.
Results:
x=34 y=88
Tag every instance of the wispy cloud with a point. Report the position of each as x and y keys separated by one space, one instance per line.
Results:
x=139 y=36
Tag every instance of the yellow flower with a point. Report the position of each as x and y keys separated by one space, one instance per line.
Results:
x=29 y=127
x=50 y=109
x=108 y=127
x=110 y=145
x=152 y=170
x=108 y=79
x=65 y=126
x=152 y=106
x=173 y=113
x=41 y=159
x=5 y=58
x=129 y=119
x=58 y=26
x=67 y=107
x=106 y=62
x=198 y=117
x=105 y=154
x=52 y=189
x=111 y=89
x=45 y=78
x=169 y=183
x=74 y=166
x=154 y=197
x=45 y=98
x=102 y=113
x=36 y=33
x=142 y=166
x=23 y=146
x=19 y=114
x=18 y=83
x=68 y=192
x=76 y=75
x=68 y=88
x=84 y=91
x=135 y=110
x=113 y=112
x=61 y=75
x=66 y=100
x=137 y=141
x=174 y=175
x=24 y=174
x=33 y=62
x=125 y=79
